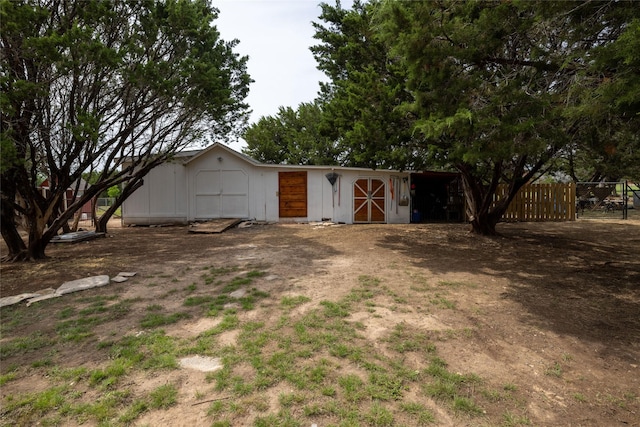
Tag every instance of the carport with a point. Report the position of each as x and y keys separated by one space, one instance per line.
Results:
x=436 y=197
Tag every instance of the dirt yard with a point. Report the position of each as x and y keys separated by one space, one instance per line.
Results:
x=545 y=319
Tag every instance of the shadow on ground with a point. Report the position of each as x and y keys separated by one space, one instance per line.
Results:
x=582 y=279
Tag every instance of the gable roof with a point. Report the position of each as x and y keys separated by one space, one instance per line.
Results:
x=224 y=147
x=83 y=184
x=254 y=162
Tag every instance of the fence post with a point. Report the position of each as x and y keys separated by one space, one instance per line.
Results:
x=625 y=201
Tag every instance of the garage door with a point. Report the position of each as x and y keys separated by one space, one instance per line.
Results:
x=222 y=194
x=368 y=200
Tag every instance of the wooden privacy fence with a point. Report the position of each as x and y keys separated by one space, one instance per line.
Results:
x=541 y=202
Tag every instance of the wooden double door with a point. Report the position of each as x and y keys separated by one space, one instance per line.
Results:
x=369 y=200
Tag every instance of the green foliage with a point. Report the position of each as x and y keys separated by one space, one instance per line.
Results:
x=164 y=397
x=355 y=121
x=360 y=104
x=604 y=100
x=113 y=191
x=292 y=137
x=491 y=82
x=26 y=344
x=84 y=81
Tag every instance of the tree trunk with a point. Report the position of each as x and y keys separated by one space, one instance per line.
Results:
x=18 y=251
x=37 y=242
x=10 y=234
x=484 y=224
x=57 y=211
x=76 y=220
x=94 y=209
x=129 y=188
x=36 y=249
x=8 y=227
x=101 y=223
x=483 y=215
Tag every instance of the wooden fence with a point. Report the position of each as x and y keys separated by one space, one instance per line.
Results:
x=541 y=202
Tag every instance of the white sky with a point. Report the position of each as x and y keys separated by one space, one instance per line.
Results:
x=276 y=35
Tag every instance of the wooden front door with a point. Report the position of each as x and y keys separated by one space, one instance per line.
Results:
x=368 y=200
x=292 y=190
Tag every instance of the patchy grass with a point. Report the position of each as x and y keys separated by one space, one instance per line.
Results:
x=22 y=345
x=163 y=397
x=294 y=301
x=554 y=371
x=307 y=354
x=154 y=319
x=315 y=363
x=218 y=302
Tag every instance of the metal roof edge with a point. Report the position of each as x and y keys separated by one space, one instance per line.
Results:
x=256 y=163
x=226 y=148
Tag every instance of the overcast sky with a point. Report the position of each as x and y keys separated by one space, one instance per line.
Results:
x=276 y=35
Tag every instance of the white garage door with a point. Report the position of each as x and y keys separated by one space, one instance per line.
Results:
x=222 y=194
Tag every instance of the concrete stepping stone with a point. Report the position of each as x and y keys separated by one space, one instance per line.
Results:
x=43 y=298
x=82 y=284
x=201 y=363
x=123 y=276
x=239 y=293
x=127 y=273
x=6 y=301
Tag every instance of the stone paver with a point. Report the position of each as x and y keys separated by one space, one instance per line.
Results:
x=201 y=363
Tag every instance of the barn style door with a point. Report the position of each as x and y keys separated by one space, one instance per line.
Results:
x=292 y=190
x=221 y=194
x=368 y=200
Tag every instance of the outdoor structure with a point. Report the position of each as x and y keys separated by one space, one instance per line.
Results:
x=71 y=195
x=218 y=182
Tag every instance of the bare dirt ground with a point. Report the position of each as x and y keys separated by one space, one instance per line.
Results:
x=551 y=309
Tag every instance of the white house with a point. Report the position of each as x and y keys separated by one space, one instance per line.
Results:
x=218 y=182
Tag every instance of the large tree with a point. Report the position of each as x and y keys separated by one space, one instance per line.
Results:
x=293 y=137
x=366 y=86
x=606 y=98
x=115 y=86
x=491 y=81
x=355 y=120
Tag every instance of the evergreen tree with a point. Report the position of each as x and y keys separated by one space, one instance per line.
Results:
x=360 y=110
x=292 y=137
x=491 y=82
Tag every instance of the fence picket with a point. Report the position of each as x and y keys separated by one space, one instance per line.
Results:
x=540 y=202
